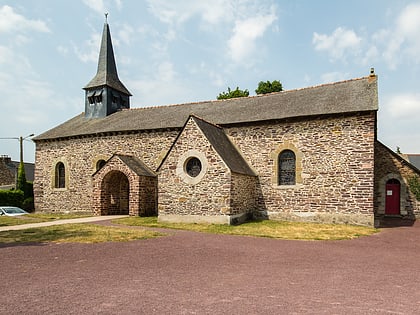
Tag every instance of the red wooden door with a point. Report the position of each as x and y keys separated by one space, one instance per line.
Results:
x=392 y=199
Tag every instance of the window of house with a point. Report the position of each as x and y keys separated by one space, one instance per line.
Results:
x=287 y=168
x=100 y=164
x=193 y=167
x=60 y=175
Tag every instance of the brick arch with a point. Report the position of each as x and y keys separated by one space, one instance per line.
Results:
x=115 y=190
x=120 y=172
x=115 y=193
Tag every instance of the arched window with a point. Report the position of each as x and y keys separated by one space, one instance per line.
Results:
x=60 y=175
x=99 y=164
x=287 y=168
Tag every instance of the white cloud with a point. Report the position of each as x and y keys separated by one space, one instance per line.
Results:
x=125 y=33
x=177 y=12
x=339 y=44
x=242 y=44
x=398 y=121
x=403 y=106
x=96 y=5
x=403 y=40
x=11 y=22
x=91 y=51
x=215 y=76
x=393 y=45
x=165 y=82
x=247 y=19
x=334 y=77
x=102 y=6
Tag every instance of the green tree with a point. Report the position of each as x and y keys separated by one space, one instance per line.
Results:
x=233 y=94
x=269 y=87
x=21 y=177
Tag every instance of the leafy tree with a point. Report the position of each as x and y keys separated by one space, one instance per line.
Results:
x=269 y=87
x=233 y=94
x=21 y=177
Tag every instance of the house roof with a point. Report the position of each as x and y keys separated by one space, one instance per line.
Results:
x=224 y=147
x=341 y=97
x=136 y=165
x=107 y=68
x=133 y=163
x=401 y=158
x=414 y=159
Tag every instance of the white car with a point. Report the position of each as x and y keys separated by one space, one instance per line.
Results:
x=12 y=211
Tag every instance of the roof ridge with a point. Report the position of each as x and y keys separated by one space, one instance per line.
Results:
x=252 y=96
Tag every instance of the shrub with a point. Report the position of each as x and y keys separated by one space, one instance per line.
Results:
x=29 y=190
x=28 y=204
x=11 y=198
x=414 y=184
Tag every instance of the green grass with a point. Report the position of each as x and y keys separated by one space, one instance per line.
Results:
x=76 y=233
x=266 y=228
x=38 y=217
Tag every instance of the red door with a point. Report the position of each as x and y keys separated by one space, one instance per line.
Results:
x=392 y=198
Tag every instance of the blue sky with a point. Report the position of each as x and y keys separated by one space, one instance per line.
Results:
x=171 y=52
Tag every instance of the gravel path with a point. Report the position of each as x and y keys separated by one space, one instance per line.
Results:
x=197 y=273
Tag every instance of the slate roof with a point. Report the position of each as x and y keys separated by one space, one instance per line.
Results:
x=224 y=147
x=414 y=159
x=135 y=164
x=341 y=97
x=107 y=68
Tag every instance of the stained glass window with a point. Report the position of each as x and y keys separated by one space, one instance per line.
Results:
x=287 y=168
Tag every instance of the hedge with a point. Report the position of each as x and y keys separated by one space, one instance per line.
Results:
x=11 y=198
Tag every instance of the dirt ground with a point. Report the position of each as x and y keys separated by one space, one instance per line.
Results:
x=195 y=273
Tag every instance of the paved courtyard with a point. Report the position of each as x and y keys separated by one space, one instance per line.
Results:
x=195 y=273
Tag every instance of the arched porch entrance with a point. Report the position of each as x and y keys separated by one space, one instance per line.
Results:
x=124 y=185
x=115 y=194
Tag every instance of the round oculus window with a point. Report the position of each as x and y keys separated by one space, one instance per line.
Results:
x=193 y=167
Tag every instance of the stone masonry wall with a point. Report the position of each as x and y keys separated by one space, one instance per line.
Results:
x=6 y=175
x=80 y=157
x=335 y=157
x=336 y=172
x=243 y=193
x=178 y=194
x=388 y=166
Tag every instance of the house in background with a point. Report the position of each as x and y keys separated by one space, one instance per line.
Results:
x=9 y=170
x=413 y=159
x=309 y=154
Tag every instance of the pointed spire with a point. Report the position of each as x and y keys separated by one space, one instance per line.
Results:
x=106 y=74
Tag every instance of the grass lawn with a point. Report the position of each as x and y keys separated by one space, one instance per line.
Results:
x=91 y=233
x=266 y=228
x=37 y=217
x=76 y=233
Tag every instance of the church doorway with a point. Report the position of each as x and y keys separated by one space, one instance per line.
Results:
x=115 y=195
x=392 y=197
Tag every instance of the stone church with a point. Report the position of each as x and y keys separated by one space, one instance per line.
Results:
x=309 y=154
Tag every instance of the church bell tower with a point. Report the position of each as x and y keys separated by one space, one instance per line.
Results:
x=105 y=94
